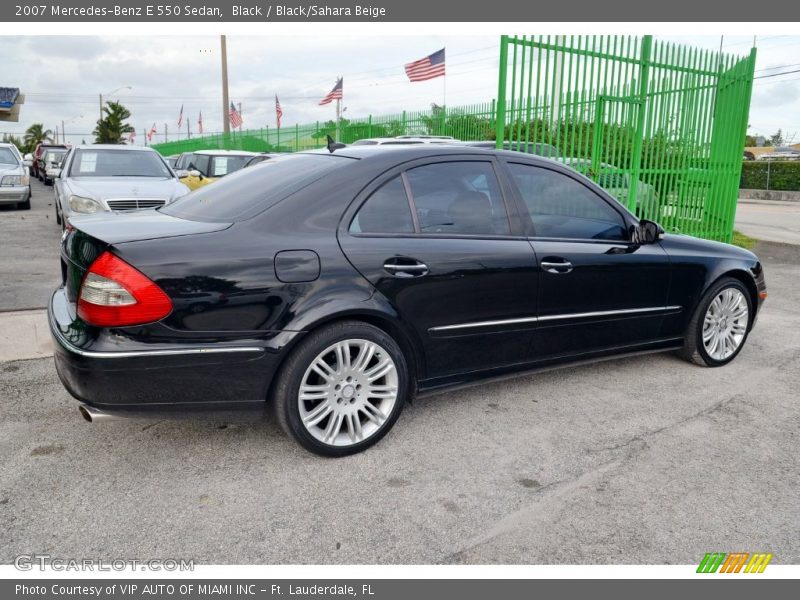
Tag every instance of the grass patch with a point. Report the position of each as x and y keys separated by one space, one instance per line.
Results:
x=743 y=241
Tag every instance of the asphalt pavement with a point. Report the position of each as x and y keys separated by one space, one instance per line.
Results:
x=770 y=221
x=645 y=460
x=29 y=247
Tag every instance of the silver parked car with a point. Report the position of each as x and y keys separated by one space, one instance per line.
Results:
x=14 y=180
x=107 y=177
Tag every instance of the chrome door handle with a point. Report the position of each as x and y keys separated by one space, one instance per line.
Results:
x=416 y=269
x=419 y=267
x=557 y=268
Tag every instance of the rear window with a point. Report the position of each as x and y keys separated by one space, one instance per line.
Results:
x=247 y=192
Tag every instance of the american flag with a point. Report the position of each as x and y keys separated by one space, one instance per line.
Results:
x=278 y=111
x=426 y=68
x=334 y=94
x=180 y=118
x=151 y=133
x=200 y=123
x=235 y=117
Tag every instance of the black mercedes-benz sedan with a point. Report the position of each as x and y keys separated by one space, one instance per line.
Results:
x=334 y=286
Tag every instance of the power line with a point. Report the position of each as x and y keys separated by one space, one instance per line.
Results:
x=777 y=74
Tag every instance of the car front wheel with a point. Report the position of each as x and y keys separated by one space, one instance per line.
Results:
x=342 y=388
x=719 y=327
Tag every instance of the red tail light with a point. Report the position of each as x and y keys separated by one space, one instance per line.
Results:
x=114 y=294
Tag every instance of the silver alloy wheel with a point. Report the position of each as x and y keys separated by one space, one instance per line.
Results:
x=725 y=323
x=348 y=392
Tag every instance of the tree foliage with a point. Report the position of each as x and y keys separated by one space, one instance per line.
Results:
x=34 y=135
x=112 y=128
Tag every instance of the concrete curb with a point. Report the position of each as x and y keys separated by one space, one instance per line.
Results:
x=24 y=334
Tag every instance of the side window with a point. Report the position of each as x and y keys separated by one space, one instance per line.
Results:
x=561 y=207
x=385 y=211
x=200 y=162
x=458 y=198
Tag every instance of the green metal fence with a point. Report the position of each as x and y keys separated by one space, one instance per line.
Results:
x=661 y=126
x=472 y=122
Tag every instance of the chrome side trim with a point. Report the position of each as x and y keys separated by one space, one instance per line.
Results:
x=600 y=313
x=484 y=324
x=608 y=313
x=69 y=347
x=142 y=353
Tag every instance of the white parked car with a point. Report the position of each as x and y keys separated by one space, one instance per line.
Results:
x=405 y=140
x=781 y=152
x=112 y=178
x=15 y=185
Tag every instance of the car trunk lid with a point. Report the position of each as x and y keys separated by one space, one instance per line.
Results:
x=88 y=236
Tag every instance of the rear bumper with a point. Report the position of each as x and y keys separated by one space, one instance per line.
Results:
x=14 y=194
x=162 y=381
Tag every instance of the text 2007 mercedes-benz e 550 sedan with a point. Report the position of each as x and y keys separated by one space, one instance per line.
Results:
x=334 y=286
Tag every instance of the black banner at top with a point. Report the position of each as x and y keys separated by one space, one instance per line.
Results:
x=260 y=11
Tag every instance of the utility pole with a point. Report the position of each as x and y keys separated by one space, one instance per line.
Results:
x=165 y=133
x=225 y=101
x=101 y=106
x=188 y=131
x=63 y=132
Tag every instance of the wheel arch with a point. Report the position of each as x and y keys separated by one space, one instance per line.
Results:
x=411 y=347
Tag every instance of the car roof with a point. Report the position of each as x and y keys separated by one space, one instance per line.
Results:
x=401 y=153
x=225 y=152
x=126 y=147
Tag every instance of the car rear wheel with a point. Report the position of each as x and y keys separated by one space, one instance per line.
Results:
x=342 y=389
x=719 y=327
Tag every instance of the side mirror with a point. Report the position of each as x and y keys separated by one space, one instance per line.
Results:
x=648 y=232
x=195 y=173
x=28 y=156
x=27 y=162
x=54 y=173
x=182 y=173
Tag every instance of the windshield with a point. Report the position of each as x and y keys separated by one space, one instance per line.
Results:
x=7 y=157
x=117 y=163
x=248 y=192
x=54 y=157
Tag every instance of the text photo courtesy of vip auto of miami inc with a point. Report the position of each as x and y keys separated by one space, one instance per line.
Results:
x=453 y=298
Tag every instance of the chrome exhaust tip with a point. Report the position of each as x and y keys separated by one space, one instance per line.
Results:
x=93 y=415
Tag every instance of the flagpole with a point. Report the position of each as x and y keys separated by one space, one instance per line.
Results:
x=338 y=117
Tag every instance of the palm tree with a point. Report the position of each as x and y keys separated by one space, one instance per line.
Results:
x=112 y=128
x=36 y=134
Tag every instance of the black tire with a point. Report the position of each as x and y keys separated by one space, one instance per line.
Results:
x=287 y=386
x=693 y=349
x=58 y=214
x=24 y=205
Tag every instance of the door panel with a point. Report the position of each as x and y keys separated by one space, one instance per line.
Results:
x=454 y=295
x=613 y=294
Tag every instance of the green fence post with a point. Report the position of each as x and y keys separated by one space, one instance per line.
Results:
x=404 y=123
x=369 y=126
x=296 y=137
x=636 y=151
x=500 y=116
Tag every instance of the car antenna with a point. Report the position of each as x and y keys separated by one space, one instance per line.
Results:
x=333 y=144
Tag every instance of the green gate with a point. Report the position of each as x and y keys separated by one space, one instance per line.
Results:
x=659 y=125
